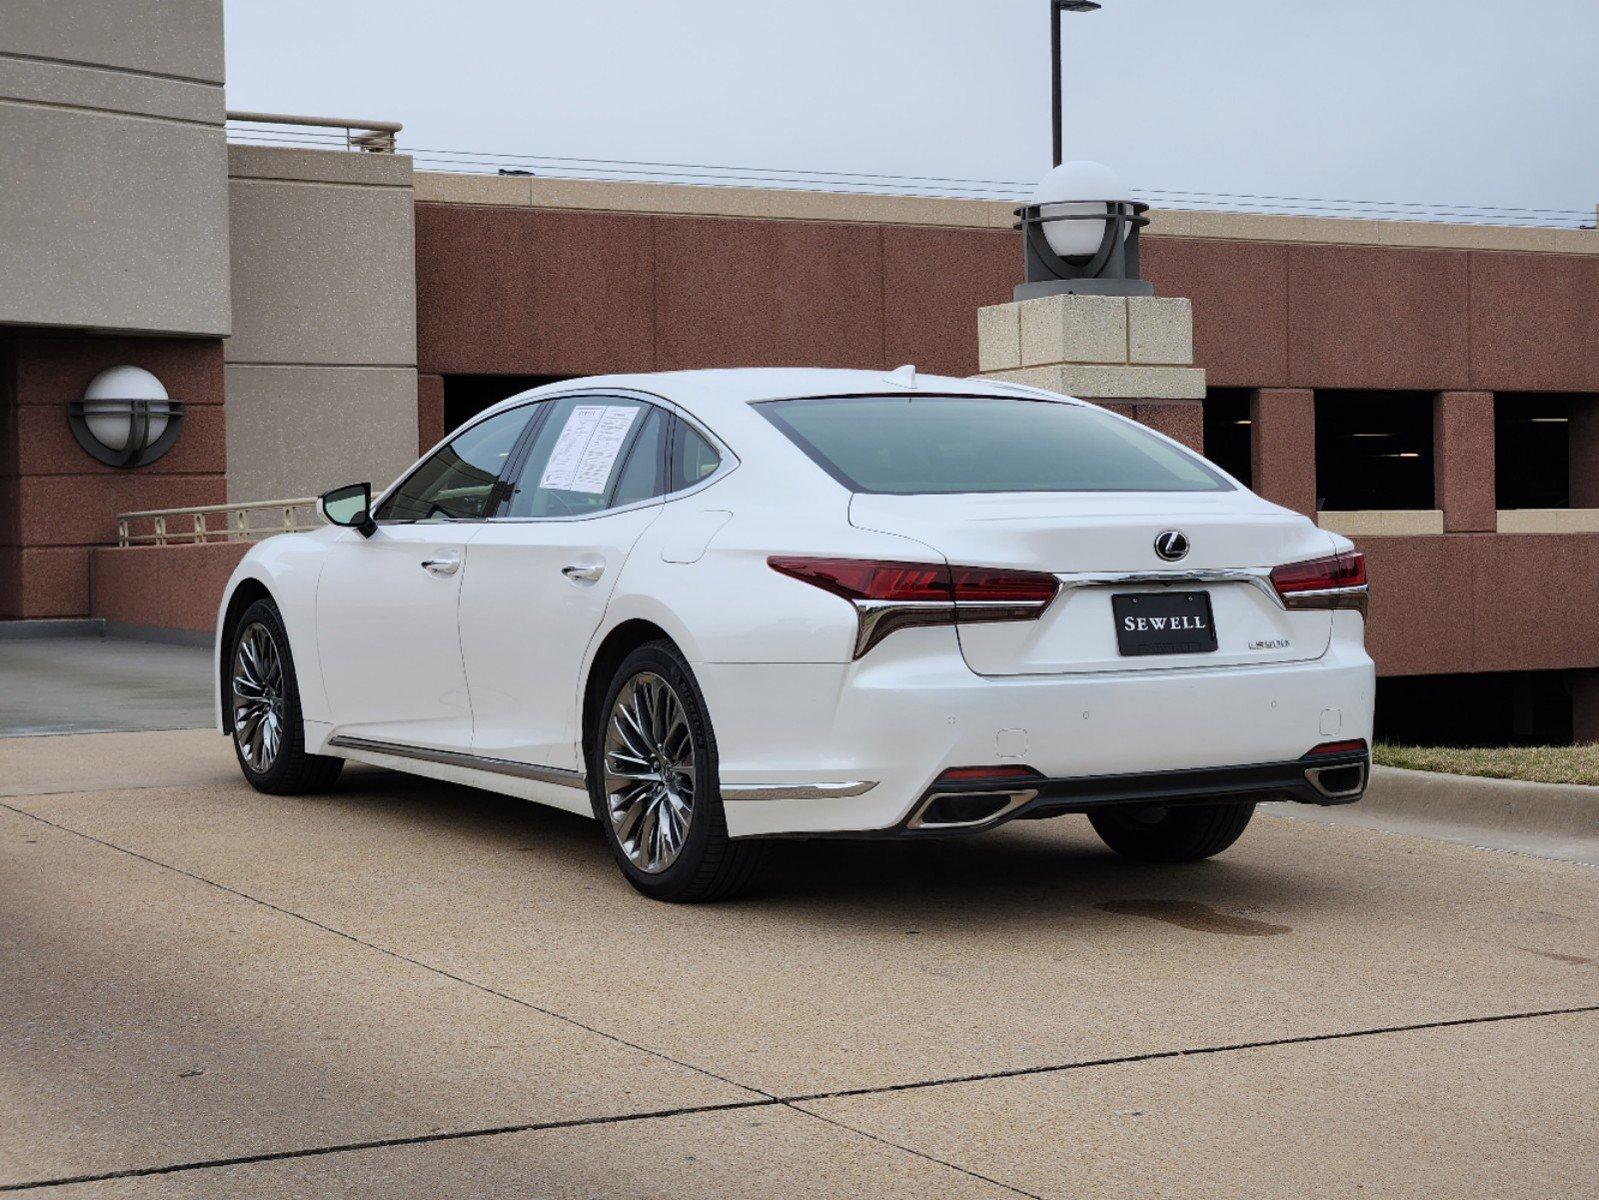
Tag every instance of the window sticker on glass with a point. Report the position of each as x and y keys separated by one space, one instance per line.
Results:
x=587 y=448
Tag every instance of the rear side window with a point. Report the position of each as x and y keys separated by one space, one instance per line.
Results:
x=641 y=473
x=580 y=453
x=693 y=458
x=943 y=445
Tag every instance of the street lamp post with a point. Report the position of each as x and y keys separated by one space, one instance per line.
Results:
x=1056 y=7
x=1084 y=322
x=1080 y=233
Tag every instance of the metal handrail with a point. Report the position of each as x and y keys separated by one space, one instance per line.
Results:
x=235 y=525
x=373 y=137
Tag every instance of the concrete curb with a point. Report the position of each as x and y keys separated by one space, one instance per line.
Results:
x=46 y=627
x=151 y=633
x=1558 y=819
x=100 y=627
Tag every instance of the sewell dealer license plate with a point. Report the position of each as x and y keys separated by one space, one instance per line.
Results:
x=1164 y=623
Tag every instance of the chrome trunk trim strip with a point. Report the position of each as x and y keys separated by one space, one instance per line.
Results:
x=453 y=758
x=1254 y=576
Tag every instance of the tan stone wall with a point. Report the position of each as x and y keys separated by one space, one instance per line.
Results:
x=113 y=216
x=321 y=369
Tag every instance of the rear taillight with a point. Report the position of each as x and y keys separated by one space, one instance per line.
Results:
x=989 y=594
x=861 y=579
x=1337 y=581
x=896 y=595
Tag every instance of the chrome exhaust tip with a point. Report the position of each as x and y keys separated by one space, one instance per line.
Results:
x=967 y=810
x=1338 y=781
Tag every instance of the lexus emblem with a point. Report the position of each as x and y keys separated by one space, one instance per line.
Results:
x=1171 y=545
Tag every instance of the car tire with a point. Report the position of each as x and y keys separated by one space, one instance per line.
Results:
x=268 y=731
x=676 y=749
x=1179 y=833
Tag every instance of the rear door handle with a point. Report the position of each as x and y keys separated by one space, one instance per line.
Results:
x=441 y=566
x=583 y=572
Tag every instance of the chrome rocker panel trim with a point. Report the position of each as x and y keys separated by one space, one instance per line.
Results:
x=453 y=758
x=799 y=791
x=576 y=779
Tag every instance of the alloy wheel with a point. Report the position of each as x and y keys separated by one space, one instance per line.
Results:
x=649 y=772
x=258 y=698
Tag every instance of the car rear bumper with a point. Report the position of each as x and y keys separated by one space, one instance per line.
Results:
x=1324 y=779
x=856 y=748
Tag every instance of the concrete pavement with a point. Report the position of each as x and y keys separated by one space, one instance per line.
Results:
x=409 y=989
x=98 y=684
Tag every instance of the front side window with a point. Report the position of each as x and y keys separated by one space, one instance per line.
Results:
x=945 y=445
x=587 y=454
x=457 y=482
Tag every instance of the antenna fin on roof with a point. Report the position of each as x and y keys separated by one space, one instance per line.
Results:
x=904 y=377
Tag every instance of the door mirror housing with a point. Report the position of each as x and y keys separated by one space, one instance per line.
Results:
x=349 y=506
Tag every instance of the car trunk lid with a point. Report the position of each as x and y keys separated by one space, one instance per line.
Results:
x=1102 y=545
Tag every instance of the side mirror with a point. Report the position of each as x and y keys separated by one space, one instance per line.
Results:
x=349 y=506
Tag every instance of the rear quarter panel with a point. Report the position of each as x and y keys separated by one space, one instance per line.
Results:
x=728 y=605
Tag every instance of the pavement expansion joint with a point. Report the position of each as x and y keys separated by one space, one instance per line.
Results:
x=1302 y=1039
x=795 y=1103
x=922 y=1154
x=451 y=1135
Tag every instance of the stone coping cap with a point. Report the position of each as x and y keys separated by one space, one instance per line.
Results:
x=786 y=204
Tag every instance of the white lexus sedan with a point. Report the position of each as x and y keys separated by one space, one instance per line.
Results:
x=712 y=608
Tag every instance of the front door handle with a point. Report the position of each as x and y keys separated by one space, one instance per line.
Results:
x=583 y=572
x=441 y=566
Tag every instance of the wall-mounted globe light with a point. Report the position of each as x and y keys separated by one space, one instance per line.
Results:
x=1080 y=234
x=125 y=418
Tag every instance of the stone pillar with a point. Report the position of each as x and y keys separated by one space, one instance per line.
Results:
x=1584 y=454
x=1133 y=354
x=1463 y=461
x=1283 y=447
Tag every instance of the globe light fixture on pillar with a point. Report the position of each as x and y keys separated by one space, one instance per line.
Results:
x=1080 y=234
x=125 y=418
x=1083 y=322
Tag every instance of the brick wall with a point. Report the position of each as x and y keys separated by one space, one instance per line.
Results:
x=56 y=501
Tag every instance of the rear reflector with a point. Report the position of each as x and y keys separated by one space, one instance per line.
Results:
x=1337 y=581
x=983 y=774
x=895 y=595
x=1327 y=748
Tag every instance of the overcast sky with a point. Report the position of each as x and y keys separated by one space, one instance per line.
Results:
x=1480 y=102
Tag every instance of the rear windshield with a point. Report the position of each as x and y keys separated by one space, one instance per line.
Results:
x=920 y=445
